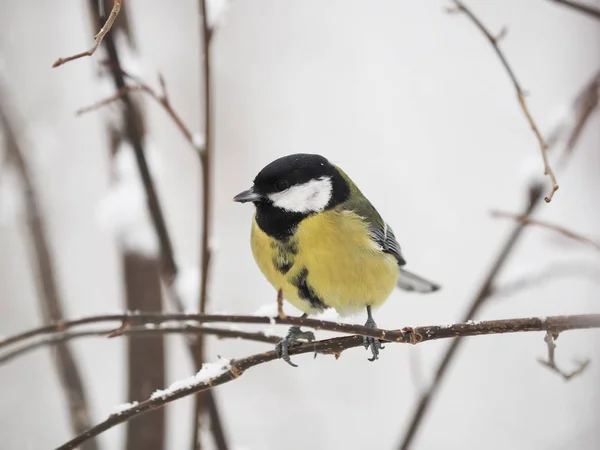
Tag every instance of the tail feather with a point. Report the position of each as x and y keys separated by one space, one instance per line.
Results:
x=408 y=281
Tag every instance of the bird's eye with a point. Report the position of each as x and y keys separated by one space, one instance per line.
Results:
x=282 y=185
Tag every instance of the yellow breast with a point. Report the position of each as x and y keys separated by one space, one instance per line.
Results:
x=343 y=267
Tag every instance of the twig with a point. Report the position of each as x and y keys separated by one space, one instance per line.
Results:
x=551 y=273
x=585 y=9
x=550 y=363
x=337 y=346
x=50 y=301
x=527 y=220
x=201 y=402
x=520 y=95
x=97 y=39
x=221 y=333
x=162 y=99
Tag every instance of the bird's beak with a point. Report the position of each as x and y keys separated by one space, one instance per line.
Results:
x=248 y=196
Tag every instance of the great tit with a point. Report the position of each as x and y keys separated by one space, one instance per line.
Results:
x=316 y=237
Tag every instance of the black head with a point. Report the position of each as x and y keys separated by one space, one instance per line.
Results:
x=292 y=188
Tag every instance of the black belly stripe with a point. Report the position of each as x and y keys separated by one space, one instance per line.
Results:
x=284 y=253
x=305 y=292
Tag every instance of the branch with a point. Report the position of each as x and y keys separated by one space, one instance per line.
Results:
x=551 y=273
x=577 y=6
x=50 y=301
x=97 y=39
x=202 y=402
x=161 y=98
x=155 y=318
x=520 y=94
x=221 y=333
x=336 y=346
x=526 y=220
x=550 y=363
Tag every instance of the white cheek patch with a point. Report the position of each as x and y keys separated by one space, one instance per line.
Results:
x=312 y=196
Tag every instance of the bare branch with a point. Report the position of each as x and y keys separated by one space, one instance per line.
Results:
x=97 y=39
x=145 y=318
x=162 y=99
x=550 y=363
x=527 y=220
x=336 y=346
x=520 y=93
x=202 y=403
x=553 y=272
x=50 y=301
x=578 y=6
x=221 y=333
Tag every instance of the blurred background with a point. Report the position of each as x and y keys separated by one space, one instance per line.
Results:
x=413 y=103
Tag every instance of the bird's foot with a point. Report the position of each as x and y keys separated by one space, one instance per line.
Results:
x=294 y=335
x=372 y=343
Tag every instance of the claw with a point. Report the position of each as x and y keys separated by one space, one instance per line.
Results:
x=369 y=342
x=294 y=335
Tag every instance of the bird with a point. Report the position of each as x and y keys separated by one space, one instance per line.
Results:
x=319 y=240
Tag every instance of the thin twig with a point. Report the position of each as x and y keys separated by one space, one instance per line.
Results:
x=336 y=346
x=553 y=272
x=50 y=301
x=97 y=39
x=201 y=402
x=578 y=6
x=550 y=363
x=520 y=94
x=527 y=220
x=221 y=333
x=162 y=99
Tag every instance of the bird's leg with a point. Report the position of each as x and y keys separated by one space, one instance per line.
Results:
x=293 y=336
x=370 y=342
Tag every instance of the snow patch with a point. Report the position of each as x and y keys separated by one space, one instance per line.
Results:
x=208 y=371
x=120 y=409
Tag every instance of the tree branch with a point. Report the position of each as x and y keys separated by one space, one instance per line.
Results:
x=520 y=94
x=154 y=318
x=202 y=402
x=97 y=39
x=336 y=346
x=144 y=330
x=527 y=220
x=577 y=6
x=161 y=98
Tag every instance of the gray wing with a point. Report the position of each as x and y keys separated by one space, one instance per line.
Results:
x=384 y=236
x=407 y=281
